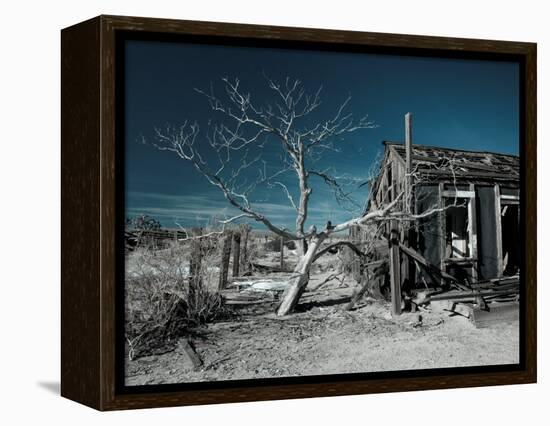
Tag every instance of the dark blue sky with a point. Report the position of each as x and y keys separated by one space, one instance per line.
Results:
x=465 y=104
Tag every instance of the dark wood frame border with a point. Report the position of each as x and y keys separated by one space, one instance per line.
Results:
x=88 y=206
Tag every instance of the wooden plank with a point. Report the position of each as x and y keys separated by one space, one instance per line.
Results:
x=486 y=286
x=458 y=194
x=187 y=350
x=497 y=313
x=422 y=261
x=497 y=282
x=462 y=309
x=465 y=294
x=458 y=260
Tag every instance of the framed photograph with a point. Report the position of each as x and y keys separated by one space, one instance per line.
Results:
x=254 y=212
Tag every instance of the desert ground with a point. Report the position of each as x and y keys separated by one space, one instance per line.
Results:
x=321 y=337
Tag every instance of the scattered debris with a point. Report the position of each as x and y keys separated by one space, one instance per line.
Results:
x=185 y=348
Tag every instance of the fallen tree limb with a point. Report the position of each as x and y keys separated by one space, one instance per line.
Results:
x=327 y=280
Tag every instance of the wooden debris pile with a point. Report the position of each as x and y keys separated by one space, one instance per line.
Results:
x=484 y=303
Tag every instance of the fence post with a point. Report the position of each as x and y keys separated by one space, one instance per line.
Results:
x=282 y=254
x=236 y=253
x=395 y=272
x=195 y=264
x=226 y=254
x=245 y=230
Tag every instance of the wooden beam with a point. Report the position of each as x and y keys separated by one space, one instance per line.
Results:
x=417 y=257
x=458 y=260
x=408 y=161
x=497 y=314
x=464 y=294
x=396 y=155
x=192 y=356
x=459 y=194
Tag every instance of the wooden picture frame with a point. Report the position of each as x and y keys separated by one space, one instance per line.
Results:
x=91 y=156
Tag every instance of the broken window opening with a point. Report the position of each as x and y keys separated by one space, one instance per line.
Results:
x=457 y=234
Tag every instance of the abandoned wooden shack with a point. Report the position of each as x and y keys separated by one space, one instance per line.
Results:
x=474 y=231
x=466 y=210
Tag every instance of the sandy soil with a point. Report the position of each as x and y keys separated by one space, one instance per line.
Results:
x=323 y=338
x=329 y=340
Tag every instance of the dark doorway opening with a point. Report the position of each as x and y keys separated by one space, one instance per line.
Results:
x=510 y=238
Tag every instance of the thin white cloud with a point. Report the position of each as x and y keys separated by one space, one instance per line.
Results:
x=194 y=209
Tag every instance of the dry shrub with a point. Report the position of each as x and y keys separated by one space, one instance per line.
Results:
x=274 y=245
x=254 y=250
x=159 y=304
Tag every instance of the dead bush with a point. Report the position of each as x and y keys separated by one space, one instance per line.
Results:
x=163 y=302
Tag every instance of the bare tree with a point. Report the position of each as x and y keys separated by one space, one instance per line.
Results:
x=288 y=123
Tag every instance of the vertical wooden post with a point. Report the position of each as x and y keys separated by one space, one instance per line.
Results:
x=282 y=254
x=226 y=254
x=407 y=232
x=195 y=265
x=245 y=231
x=498 y=219
x=395 y=272
x=408 y=161
x=236 y=253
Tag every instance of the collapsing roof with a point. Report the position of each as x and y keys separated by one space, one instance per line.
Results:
x=459 y=164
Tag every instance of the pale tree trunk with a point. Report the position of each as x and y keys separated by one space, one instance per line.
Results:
x=301 y=245
x=305 y=192
x=300 y=276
